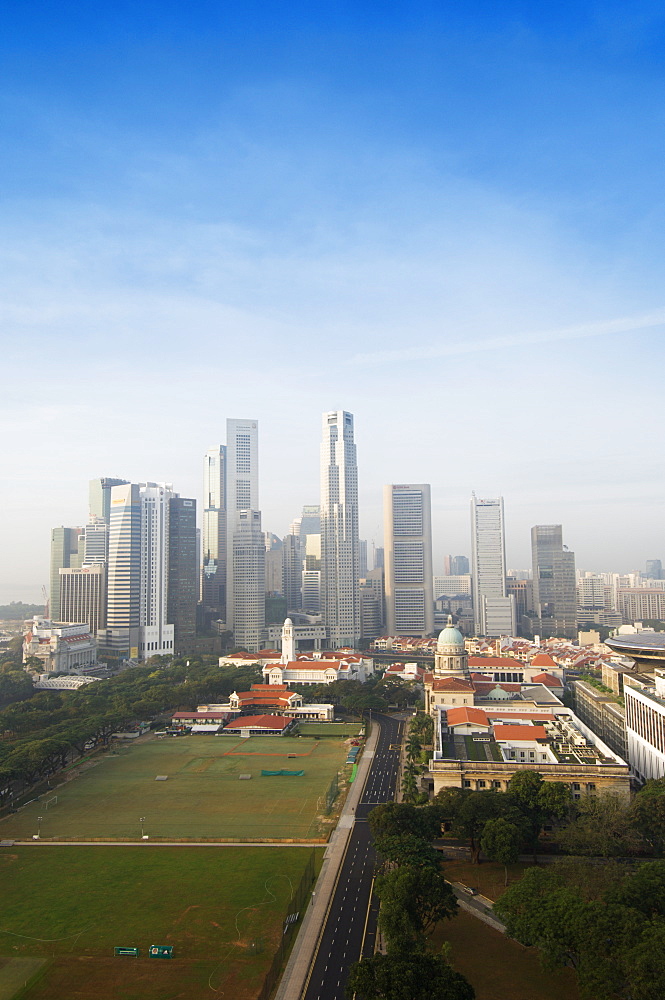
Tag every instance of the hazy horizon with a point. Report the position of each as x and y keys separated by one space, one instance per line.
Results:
x=446 y=219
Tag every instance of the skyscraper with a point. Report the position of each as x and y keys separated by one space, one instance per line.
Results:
x=340 y=602
x=249 y=588
x=554 y=589
x=83 y=596
x=121 y=636
x=245 y=565
x=494 y=610
x=182 y=573
x=407 y=525
x=213 y=578
x=66 y=552
x=151 y=571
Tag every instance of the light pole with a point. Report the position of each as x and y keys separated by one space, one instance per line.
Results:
x=39 y=826
x=142 y=821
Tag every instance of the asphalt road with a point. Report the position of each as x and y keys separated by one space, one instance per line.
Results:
x=350 y=928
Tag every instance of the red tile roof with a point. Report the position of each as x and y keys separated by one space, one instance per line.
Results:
x=512 y=733
x=260 y=722
x=460 y=716
x=548 y=680
x=542 y=660
x=451 y=684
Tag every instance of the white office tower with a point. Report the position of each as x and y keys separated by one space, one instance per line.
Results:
x=340 y=599
x=138 y=567
x=155 y=633
x=120 y=638
x=213 y=574
x=248 y=595
x=95 y=542
x=494 y=609
x=407 y=524
x=245 y=576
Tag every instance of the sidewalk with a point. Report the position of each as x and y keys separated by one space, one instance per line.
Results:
x=304 y=950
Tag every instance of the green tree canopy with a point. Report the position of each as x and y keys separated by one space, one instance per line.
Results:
x=403 y=977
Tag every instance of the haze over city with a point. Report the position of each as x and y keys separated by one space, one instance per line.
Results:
x=445 y=220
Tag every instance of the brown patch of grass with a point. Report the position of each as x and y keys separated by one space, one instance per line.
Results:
x=498 y=967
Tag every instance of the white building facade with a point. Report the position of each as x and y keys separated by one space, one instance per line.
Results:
x=494 y=609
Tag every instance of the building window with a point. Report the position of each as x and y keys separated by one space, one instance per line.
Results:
x=576 y=787
x=467 y=783
x=481 y=784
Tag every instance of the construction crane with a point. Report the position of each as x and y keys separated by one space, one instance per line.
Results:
x=45 y=596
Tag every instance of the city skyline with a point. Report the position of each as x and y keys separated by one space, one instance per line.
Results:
x=451 y=514
x=430 y=216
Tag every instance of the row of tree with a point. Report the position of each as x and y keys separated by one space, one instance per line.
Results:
x=607 y=922
x=39 y=734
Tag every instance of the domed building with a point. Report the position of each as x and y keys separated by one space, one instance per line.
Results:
x=451 y=658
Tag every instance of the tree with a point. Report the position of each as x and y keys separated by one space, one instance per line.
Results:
x=603 y=828
x=402 y=977
x=407 y=849
x=394 y=818
x=501 y=842
x=413 y=901
x=475 y=809
x=648 y=813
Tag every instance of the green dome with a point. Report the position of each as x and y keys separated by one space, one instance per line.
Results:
x=450 y=636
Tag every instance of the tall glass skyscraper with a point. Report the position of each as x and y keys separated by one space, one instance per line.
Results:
x=494 y=609
x=554 y=587
x=213 y=580
x=340 y=563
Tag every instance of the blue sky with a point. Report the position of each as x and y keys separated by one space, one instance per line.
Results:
x=444 y=217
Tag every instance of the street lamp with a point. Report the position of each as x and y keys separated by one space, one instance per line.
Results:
x=39 y=826
x=142 y=821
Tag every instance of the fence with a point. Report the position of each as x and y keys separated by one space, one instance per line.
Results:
x=332 y=793
x=289 y=926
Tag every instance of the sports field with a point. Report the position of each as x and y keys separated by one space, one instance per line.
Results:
x=330 y=728
x=202 y=796
x=220 y=908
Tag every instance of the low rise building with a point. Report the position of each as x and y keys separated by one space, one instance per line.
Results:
x=63 y=647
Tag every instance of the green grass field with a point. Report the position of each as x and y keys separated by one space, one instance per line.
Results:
x=339 y=729
x=220 y=908
x=202 y=797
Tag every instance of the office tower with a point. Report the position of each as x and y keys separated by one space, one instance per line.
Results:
x=83 y=596
x=459 y=565
x=340 y=602
x=494 y=610
x=362 y=557
x=66 y=553
x=214 y=540
x=446 y=565
x=143 y=591
x=379 y=556
x=654 y=569
x=372 y=604
x=99 y=497
x=156 y=633
x=182 y=571
x=121 y=636
x=311 y=591
x=95 y=543
x=292 y=569
x=248 y=593
x=242 y=494
x=554 y=589
x=274 y=565
x=407 y=523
